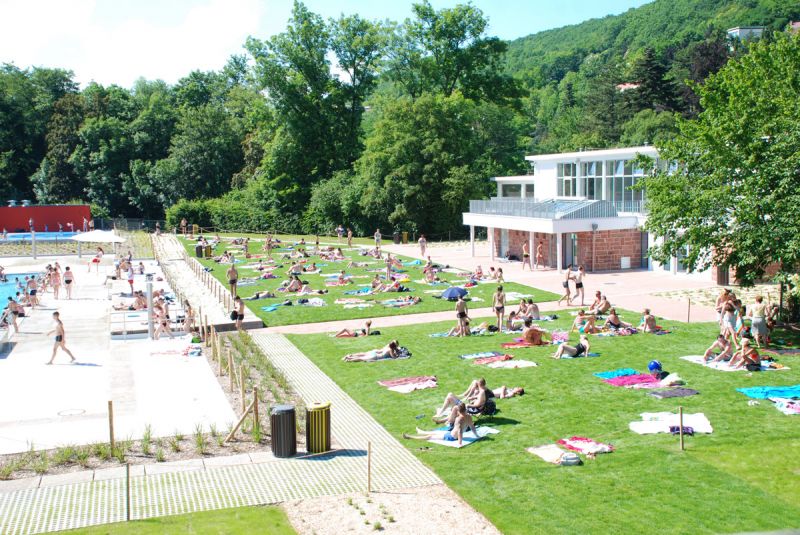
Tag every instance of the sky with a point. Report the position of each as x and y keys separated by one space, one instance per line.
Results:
x=118 y=41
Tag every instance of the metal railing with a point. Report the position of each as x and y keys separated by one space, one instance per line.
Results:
x=635 y=207
x=550 y=209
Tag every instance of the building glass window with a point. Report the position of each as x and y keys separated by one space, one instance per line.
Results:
x=511 y=190
x=622 y=176
x=592 y=177
x=529 y=191
x=566 y=174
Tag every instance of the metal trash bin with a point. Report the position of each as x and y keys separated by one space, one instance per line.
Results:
x=209 y=251
x=198 y=250
x=318 y=428
x=284 y=431
x=405 y=237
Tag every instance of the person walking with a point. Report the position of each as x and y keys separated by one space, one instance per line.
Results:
x=60 y=339
x=239 y=304
x=233 y=277
x=349 y=238
x=184 y=223
x=69 y=278
x=565 y=284
x=526 y=256
x=377 y=237
x=579 y=284
x=423 y=245
x=499 y=304
x=462 y=316
x=540 y=255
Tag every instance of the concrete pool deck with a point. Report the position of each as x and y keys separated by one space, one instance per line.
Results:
x=51 y=406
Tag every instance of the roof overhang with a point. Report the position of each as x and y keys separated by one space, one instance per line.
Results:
x=591 y=155
x=551 y=226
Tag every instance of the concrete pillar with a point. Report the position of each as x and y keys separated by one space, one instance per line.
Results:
x=472 y=240
x=559 y=252
x=150 y=327
x=490 y=234
x=532 y=248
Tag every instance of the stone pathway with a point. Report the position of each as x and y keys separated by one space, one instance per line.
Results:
x=84 y=499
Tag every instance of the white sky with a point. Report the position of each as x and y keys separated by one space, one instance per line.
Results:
x=118 y=41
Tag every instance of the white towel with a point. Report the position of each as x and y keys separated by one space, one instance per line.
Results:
x=660 y=422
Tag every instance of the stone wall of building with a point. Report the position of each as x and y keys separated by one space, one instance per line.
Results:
x=610 y=247
x=516 y=238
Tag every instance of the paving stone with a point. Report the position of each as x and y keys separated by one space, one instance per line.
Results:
x=118 y=472
x=227 y=460
x=20 y=484
x=56 y=480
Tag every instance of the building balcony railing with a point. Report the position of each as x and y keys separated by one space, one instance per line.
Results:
x=561 y=208
x=635 y=207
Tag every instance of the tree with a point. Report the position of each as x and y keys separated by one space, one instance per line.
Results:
x=655 y=89
x=735 y=199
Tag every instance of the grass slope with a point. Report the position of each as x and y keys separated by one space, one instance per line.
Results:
x=244 y=520
x=304 y=314
x=740 y=478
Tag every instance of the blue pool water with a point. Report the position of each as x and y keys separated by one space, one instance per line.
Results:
x=9 y=289
x=40 y=236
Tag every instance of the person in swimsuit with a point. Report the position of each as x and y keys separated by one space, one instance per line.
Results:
x=354 y=333
x=188 y=320
x=462 y=316
x=579 y=284
x=727 y=323
x=526 y=256
x=580 y=349
x=567 y=277
x=499 y=304
x=722 y=345
x=11 y=313
x=462 y=423
x=96 y=260
x=614 y=323
x=55 y=282
x=31 y=288
x=60 y=340
x=540 y=255
x=504 y=392
x=584 y=323
x=423 y=245
x=746 y=356
x=534 y=335
x=233 y=277
x=475 y=395
x=758 y=321
x=239 y=304
x=130 y=275
x=648 y=323
x=389 y=351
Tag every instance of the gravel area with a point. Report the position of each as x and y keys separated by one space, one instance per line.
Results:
x=433 y=509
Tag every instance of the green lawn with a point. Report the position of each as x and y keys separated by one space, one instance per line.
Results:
x=743 y=477
x=362 y=276
x=244 y=520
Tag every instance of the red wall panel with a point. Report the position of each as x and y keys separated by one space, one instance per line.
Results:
x=13 y=218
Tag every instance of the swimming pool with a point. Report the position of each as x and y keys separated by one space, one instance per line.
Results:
x=9 y=289
x=40 y=236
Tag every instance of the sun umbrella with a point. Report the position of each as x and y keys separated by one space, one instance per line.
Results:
x=453 y=293
x=98 y=236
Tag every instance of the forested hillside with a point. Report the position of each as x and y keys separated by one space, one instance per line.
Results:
x=420 y=114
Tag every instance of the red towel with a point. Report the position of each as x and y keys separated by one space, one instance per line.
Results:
x=488 y=360
x=407 y=380
x=515 y=345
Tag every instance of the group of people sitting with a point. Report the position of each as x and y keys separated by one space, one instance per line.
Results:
x=746 y=356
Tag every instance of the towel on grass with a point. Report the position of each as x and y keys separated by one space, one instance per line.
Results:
x=565 y=356
x=673 y=393
x=585 y=445
x=512 y=364
x=630 y=380
x=494 y=358
x=660 y=422
x=786 y=406
x=766 y=392
x=468 y=438
x=349 y=301
x=413 y=263
x=313 y=302
x=559 y=337
x=357 y=305
x=619 y=372
x=404 y=385
x=480 y=355
x=725 y=367
x=515 y=345
x=549 y=452
x=362 y=291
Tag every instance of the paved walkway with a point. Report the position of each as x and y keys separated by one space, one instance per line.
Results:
x=80 y=499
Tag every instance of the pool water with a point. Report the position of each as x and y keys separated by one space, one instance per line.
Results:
x=9 y=289
x=40 y=236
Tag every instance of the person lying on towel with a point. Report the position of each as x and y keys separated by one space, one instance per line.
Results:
x=389 y=351
x=581 y=349
x=534 y=335
x=462 y=423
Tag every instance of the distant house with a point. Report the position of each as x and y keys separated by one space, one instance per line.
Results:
x=746 y=33
x=794 y=26
x=624 y=87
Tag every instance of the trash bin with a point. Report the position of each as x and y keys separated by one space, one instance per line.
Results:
x=405 y=237
x=198 y=250
x=318 y=428
x=209 y=251
x=195 y=230
x=284 y=431
x=396 y=238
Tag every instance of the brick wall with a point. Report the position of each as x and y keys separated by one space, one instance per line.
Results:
x=516 y=238
x=610 y=247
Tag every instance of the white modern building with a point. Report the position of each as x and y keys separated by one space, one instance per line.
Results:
x=581 y=207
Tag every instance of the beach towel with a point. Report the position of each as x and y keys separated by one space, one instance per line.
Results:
x=406 y=380
x=630 y=380
x=725 y=367
x=516 y=345
x=357 y=305
x=314 y=302
x=559 y=337
x=549 y=452
x=620 y=372
x=413 y=263
x=349 y=301
x=660 y=422
x=479 y=355
x=585 y=445
x=360 y=291
x=406 y=389
x=673 y=393
x=766 y=392
x=512 y=364
x=786 y=406
x=270 y=308
x=395 y=303
x=565 y=356
x=489 y=360
x=468 y=438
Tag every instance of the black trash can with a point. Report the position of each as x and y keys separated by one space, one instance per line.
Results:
x=396 y=238
x=318 y=428
x=284 y=431
x=198 y=250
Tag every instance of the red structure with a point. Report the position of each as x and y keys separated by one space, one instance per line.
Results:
x=16 y=218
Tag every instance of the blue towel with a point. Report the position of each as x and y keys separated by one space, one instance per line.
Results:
x=413 y=263
x=270 y=308
x=764 y=392
x=358 y=292
x=616 y=373
x=480 y=355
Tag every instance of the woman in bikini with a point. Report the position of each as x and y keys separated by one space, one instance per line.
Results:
x=499 y=304
x=584 y=323
x=567 y=277
x=55 y=281
x=461 y=424
x=355 y=333
x=96 y=260
x=746 y=356
x=389 y=351
x=581 y=349
x=579 y=284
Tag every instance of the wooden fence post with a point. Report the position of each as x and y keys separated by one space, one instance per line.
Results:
x=111 y=426
x=241 y=384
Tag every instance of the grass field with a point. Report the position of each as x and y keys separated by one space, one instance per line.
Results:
x=743 y=477
x=283 y=315
x=243 y=520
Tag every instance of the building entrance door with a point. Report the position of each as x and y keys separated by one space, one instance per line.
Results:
x=570 y=248
x=503 y=242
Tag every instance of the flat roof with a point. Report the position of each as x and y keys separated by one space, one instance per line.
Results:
x=589 y=155
x=513 y=179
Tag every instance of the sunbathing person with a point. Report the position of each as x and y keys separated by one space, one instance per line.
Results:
x=614 y=323
x=746 y=357
x=312 y=268
x=294 y=285
x=296 y=269
x=504 y=392
x=725 y=350
x=534 y=335
x=581 y=349
x=584 y=323
x=648 y=323
x=266 y=294
x=377 y=283
x=462 y=423
x=344 y=279
x=352 y=264
x=354 y=333
x=307 y=289
x=389 y=351
x=475 y=395
x=602 y=307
